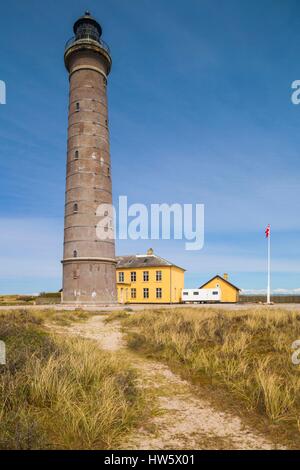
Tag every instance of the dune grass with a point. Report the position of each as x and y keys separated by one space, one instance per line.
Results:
x=49 y=315
x=40 y=299
x=248 y=353
x=62 y=393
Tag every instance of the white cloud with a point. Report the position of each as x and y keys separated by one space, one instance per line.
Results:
x=279 y=291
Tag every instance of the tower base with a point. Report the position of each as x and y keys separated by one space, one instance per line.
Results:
x=88 y=305
x=89 y=281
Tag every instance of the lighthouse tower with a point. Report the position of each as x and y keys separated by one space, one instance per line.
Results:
x=89 y=265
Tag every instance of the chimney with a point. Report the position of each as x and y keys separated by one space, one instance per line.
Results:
x=225 y=276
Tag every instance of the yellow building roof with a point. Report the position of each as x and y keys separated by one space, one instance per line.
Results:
x=143 y=261
x=221 y=278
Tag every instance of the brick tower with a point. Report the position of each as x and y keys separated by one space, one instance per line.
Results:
x=89 y=266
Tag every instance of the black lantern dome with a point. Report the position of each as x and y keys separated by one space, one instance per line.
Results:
x=87 y=27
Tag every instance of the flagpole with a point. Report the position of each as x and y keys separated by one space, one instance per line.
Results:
x=269 y=269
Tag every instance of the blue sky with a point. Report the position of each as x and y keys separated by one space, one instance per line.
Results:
x=200 y=111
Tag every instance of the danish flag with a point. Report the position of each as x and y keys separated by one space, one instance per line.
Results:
x=268 y=231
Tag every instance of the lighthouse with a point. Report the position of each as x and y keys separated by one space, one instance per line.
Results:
x=89 y=265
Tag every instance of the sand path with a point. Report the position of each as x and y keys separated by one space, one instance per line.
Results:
x=184 y=420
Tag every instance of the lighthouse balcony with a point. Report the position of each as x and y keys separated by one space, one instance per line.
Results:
x=87 y=38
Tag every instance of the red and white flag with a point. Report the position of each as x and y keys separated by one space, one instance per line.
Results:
x=268 y=231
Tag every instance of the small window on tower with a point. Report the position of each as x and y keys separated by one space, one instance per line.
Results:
x=75 y=254
x=75 y=208
x=108 y=171
x=76 y=154
x=106 y=122
x=76 y=274
x=77 y=106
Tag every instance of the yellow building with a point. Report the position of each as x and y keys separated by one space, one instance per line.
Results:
x=229 y=292
x=148 y=279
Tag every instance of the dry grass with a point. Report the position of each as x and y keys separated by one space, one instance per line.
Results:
x=11 y=300
x=58 y=393
x=64 y=318
x=45 y=298
x=116 y=316
x=60 y=317
x=246 y=352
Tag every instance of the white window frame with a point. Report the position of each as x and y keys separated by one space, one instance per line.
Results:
x=133 y=293
x=159 y=293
